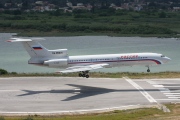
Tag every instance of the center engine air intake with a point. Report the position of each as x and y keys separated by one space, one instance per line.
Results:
x=56 y=63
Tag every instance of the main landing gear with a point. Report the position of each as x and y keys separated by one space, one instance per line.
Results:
x=84 y=74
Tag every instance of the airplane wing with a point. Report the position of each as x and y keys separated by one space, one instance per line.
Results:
x=83 y=68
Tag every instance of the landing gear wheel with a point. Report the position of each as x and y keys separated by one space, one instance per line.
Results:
x=148 y=70
x=87 y=76
x=84 y=74
x=80 y=75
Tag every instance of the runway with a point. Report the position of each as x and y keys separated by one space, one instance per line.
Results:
x=65 y=95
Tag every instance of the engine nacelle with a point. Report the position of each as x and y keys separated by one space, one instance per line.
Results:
x=56 y=63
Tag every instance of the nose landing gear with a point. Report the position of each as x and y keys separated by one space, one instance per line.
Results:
x=148 y=70
x=84 y=74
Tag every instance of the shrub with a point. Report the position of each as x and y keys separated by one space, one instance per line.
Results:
x=3 y=72
x=28 y=118
x=14 y=73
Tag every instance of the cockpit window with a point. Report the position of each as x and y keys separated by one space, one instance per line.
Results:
x=162 y=55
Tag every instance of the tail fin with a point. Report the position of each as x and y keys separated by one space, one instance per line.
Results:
x=36 y=50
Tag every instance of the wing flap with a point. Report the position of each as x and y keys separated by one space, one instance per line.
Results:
x=83 y=68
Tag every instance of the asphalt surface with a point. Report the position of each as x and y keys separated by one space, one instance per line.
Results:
x=59 y=95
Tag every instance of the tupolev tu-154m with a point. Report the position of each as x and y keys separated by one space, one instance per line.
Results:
x=83 y=64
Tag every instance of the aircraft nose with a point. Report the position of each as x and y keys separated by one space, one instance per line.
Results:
x=166 y=59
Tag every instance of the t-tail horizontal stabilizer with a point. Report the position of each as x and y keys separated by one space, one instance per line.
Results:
x=37 y=52
x=24 y=40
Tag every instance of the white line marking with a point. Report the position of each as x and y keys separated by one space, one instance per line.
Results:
x=168 y=99
x=143 y=92
x=151 y=82
x=173 y=97
x=164 y=90
x=171 y=83
x=77 y=89
x=173 y=93
x=178 y=79
x=161 y=86
x=172 y=86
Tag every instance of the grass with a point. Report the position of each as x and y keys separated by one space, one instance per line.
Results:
x=102 y=75
x=133 y=114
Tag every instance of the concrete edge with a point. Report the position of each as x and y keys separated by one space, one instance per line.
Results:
x=81 y=112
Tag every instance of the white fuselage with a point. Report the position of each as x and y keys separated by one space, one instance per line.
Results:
x=114 y=60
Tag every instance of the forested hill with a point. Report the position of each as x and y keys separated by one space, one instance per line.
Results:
x=91 y=17
x=104 y=2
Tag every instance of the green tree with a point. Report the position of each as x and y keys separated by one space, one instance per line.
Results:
x=3 y=72
x=162 y=15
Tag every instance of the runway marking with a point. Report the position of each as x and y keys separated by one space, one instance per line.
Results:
x=151 y=82
x=169 y=99
x=174 y=97
x=158 y=86
x=171 y=86
x=165 y=91
x=142 y=91
x=165 y=88
x=173 y=93
x=77 y=89
x=166 y=79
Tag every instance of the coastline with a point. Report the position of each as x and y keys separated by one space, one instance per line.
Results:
x=142 y=75
x=32 y=33
x=56 y=33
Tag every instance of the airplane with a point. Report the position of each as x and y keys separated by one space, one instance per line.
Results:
x=59 y=58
